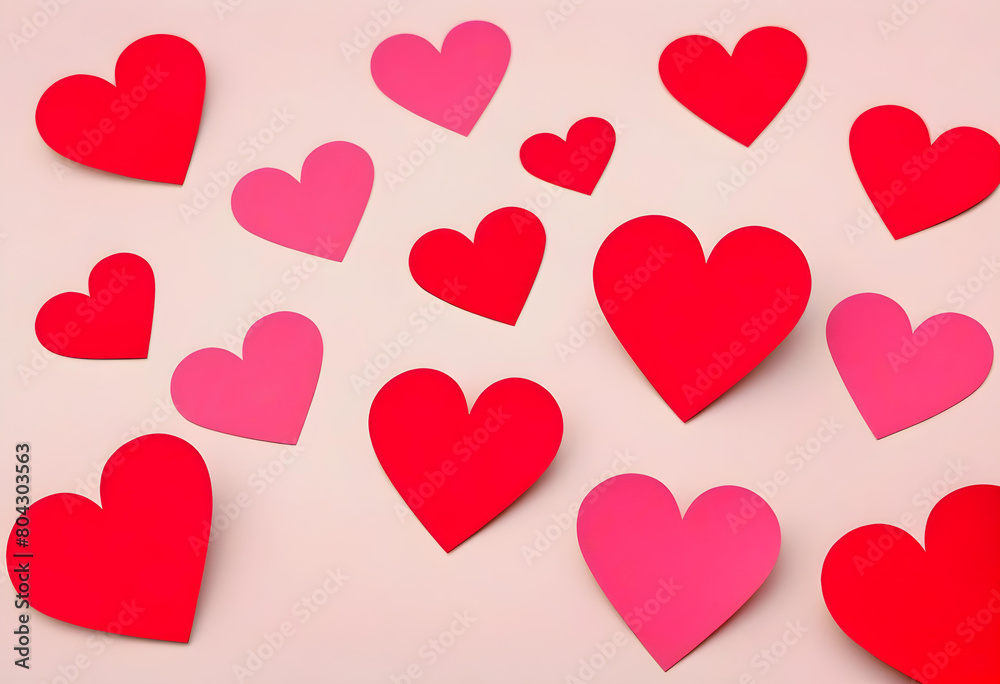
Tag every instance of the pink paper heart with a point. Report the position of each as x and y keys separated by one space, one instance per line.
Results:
x=675 y=581
x=450 y=88
x=266 y=394
x=318 y=216
x=899 y=377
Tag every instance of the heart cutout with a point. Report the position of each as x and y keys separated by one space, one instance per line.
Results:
x=127 y=566
x=144 y=126
x=739 y=94
x=676 y=581
x=318 y=216
x=491 y=275
x=457 y=468
x=450 y=88
x=898 y=376
x=114 y=321
x=693 y=328
x=931 y=614
x=266 y=394
x=576 y=163
x=913 y=183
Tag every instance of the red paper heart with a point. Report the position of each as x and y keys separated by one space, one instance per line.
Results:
x=933 y=615
x=490 y=276
x=114 y=322
x=144 y=126
x=739 y=94
x=913 y=183
x=575 y=163
x=134 y=564
x=458 y=469
x=696 y=329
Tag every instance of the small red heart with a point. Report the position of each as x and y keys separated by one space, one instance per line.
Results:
x=458 y=469
x=739 y=94
x=693 y=328
x=932 y=614
x=132 y=565
x=913 y=183
x=490 y=276
x=576 y=163
x=144 y=126
x=114 y=322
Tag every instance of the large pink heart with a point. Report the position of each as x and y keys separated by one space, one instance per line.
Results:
x=318 y=216
x=450 y=88
x=675 y=581
x=266 y=394
x=897 y=376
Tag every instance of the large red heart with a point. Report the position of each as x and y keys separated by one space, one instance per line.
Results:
x=132 y=565
x=144 y=126
x=932 y=614
x=739 y=94
x=113 y=322
x=458 y=469
x=575 y=163
x=696 y=329
x=490 y=276
x=913 y=183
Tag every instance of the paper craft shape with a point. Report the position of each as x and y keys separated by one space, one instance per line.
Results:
x=114 y=321
x=144 y=125
x=127 y=566
x=693 y=328
x=457 y=468
x=898 y=376
x=491 y=275
x=266 y=394
x=577 y=162
x=450 y=88
x=914 y=183
x=931 y=614
x=318 y=216
x=739 y=94
x=675 y=581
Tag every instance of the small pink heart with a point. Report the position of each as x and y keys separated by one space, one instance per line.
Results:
x=675 y=581
x=897 y=376
x=318 y=216
x=266 y=394
x=450 y=88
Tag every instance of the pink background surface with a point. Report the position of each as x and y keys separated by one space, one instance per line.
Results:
x=330 y=507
